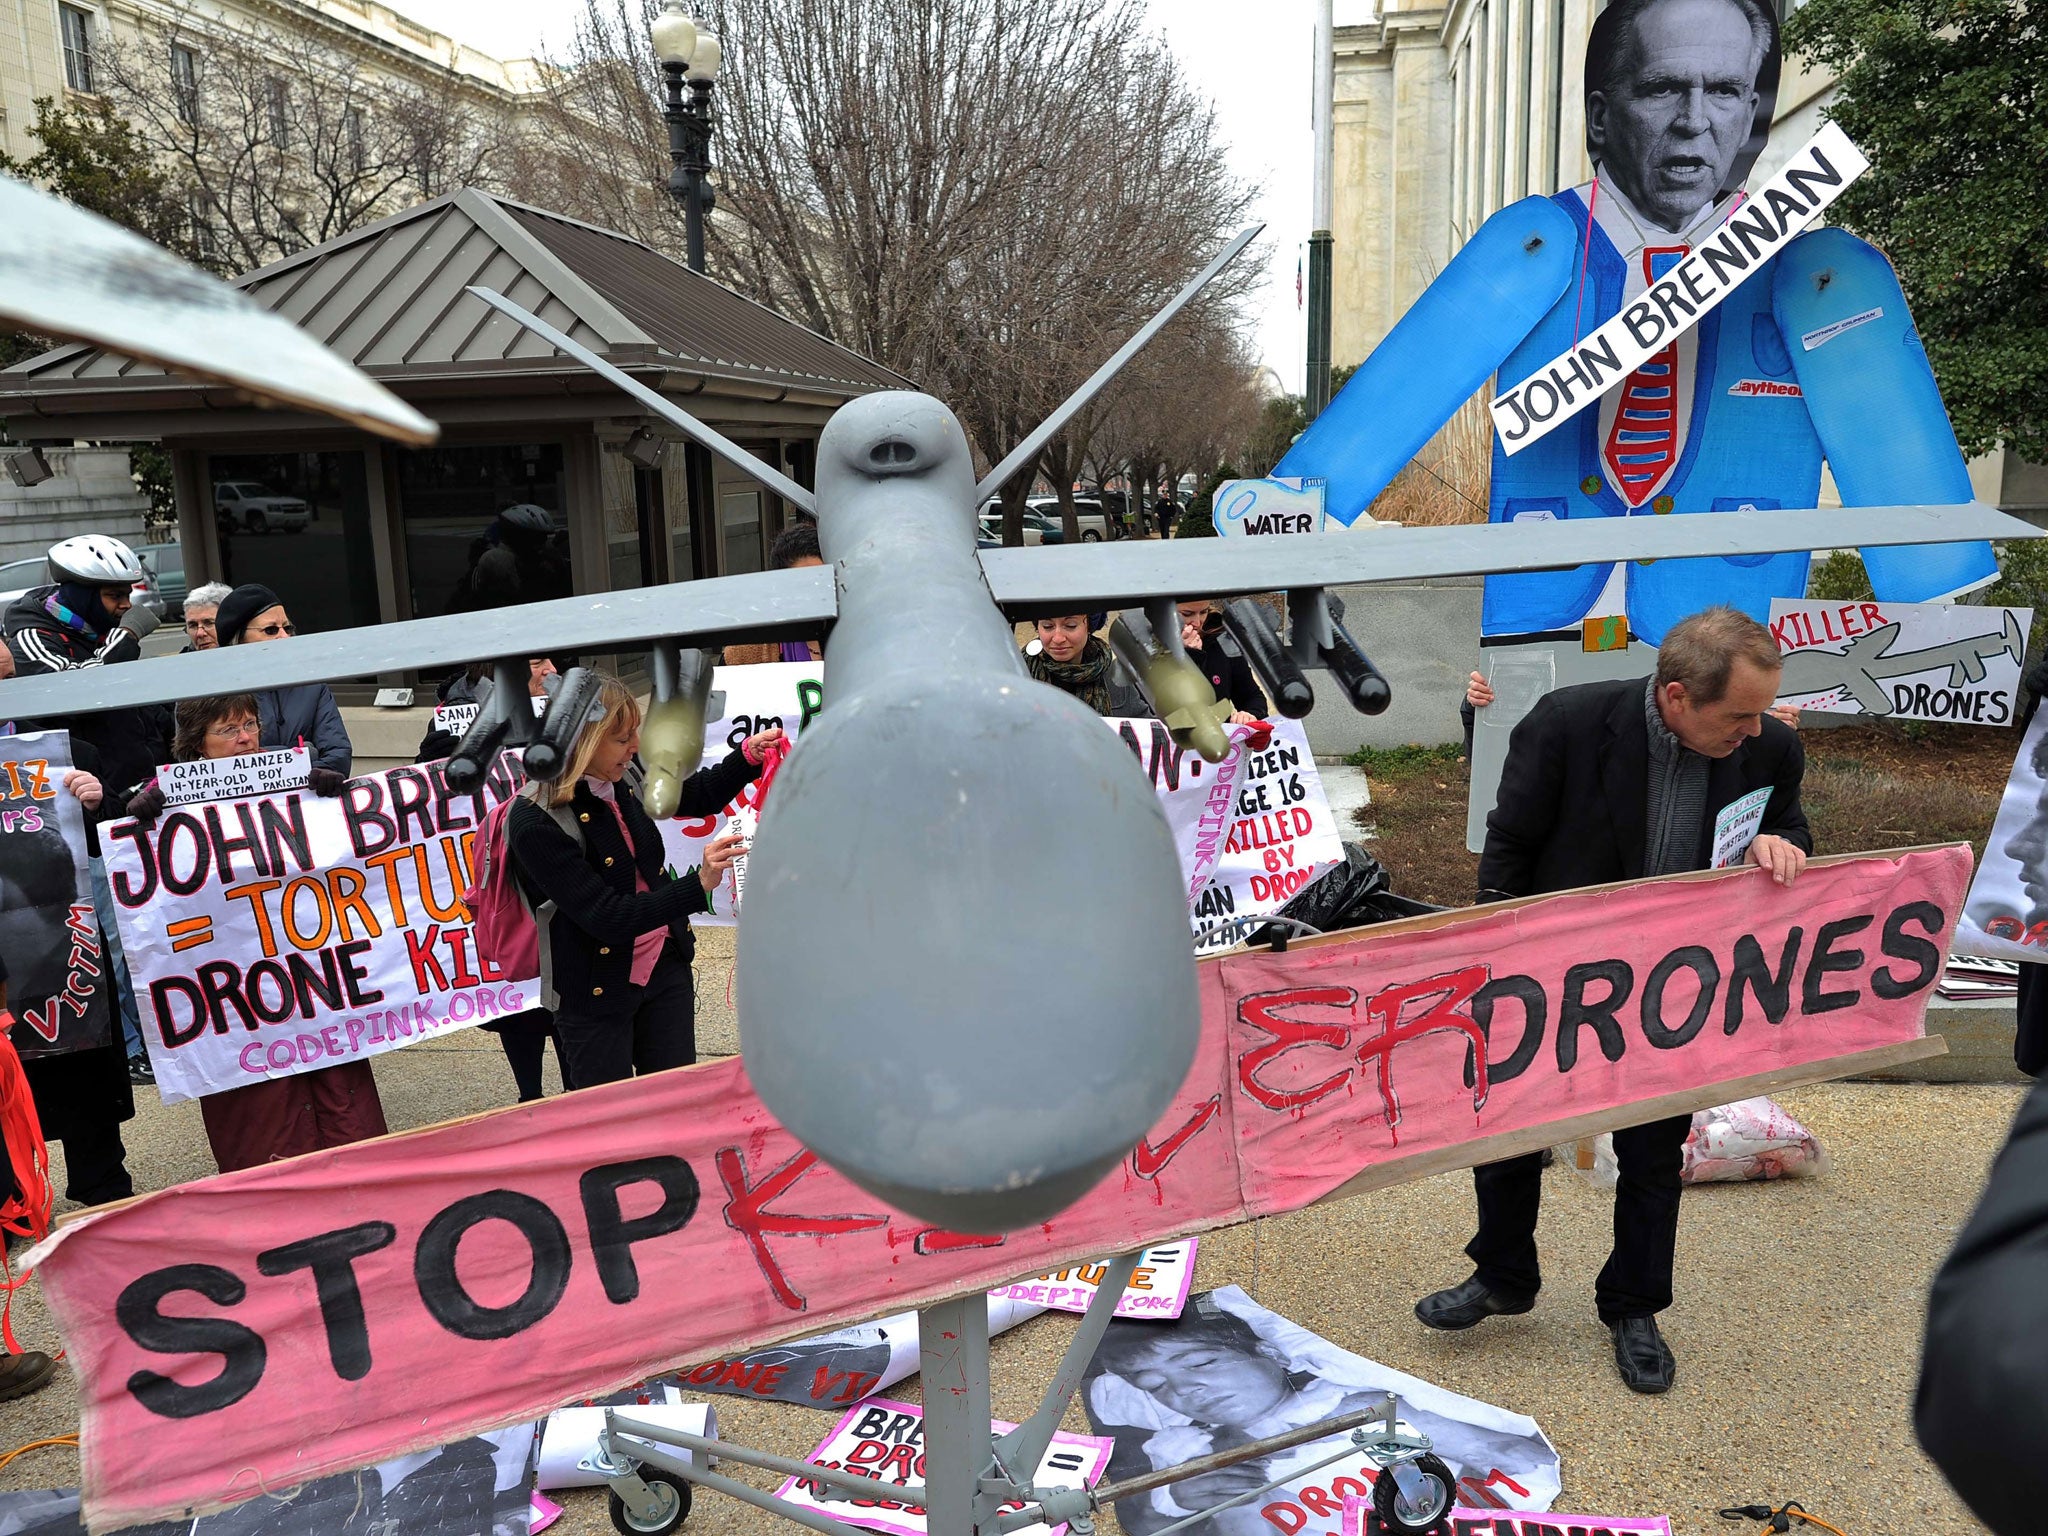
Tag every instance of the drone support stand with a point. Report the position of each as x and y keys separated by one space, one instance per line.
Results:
x=976 y=1484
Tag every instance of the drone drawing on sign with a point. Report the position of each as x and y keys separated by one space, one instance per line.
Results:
x=1093 y=1040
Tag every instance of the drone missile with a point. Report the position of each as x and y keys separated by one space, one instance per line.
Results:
x=1149 y=642
x=672 y=736
x=968 y=1063
x=572 y=702
x=1253 y=629
x=503 y=719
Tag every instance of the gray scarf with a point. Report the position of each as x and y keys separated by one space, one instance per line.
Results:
x=1672 y=831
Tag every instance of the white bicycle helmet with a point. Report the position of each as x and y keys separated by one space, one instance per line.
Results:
x=525 y=515
x=94 y=560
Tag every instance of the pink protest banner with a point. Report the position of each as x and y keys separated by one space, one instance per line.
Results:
x=264 y=1327
x=1359 y=1521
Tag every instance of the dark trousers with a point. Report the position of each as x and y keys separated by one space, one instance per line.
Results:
x=525 y=1039
x=96 y=1165
x=656 y=1030
x=1636 y=1281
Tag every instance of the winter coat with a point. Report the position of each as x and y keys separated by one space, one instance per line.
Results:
x=132 y=743
x=1094 y=678
x=306 y=713
x=582 y=889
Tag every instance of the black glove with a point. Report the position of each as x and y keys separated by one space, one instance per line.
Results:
x=147 y=804
x=327 y=782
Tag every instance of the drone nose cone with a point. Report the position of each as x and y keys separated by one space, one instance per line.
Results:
x=893 y=433
x=983 y=1058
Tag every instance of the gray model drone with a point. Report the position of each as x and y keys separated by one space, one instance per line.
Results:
x=902 y=1009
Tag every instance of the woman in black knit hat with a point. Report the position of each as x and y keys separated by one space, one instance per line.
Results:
x=301 y=715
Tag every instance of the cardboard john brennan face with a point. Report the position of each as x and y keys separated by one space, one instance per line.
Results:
x=1678 y=100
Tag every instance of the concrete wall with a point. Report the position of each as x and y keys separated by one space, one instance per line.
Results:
x=91 y=491
x=1425 y=637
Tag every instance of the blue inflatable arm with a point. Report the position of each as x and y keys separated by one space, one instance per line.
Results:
x=1873 y=400
x=1438 y=354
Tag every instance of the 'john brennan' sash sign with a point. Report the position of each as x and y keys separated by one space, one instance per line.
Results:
x=1675 y=303
x=264 y=1327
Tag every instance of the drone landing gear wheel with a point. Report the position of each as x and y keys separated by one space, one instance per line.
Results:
x=1433 y=1519
x=671 y=1492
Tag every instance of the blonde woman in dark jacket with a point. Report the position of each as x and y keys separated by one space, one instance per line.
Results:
x=615 y=942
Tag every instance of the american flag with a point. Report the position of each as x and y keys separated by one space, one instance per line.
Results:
x=1297 y=280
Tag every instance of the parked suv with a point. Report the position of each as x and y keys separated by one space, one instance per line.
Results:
x=1087 y=512
x=256 y=508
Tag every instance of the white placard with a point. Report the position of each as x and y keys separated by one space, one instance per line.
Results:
x=235 y=778
x=2005 y=916
x=457 y=718
x=1905 y=661
x=1158 y=1287
x=1262 y=508
x=1735 y=827
x=1765 y=224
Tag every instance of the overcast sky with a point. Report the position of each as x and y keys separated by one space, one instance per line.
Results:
x=1252 y=62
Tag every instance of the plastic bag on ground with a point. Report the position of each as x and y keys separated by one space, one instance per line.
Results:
x=1348 y=895
x=1750 y=1140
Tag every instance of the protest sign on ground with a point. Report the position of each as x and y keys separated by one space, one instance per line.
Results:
x=1158 y=1287
x=837 y=1368
x=49 y=937
x=1359 y=1521
x=884 y=1439
x=274 y=935
x=480 y=1486
x=641 y=1227
x=1230 y=1371
x=2006 y=916
x=235 y=778
x=1905 y=661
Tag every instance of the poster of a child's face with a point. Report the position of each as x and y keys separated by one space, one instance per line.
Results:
x=2007 y=907
x=1679 y=95
x=1230 y=1372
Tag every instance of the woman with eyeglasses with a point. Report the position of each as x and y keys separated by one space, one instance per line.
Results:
x=303 y=715
x=279 y=1116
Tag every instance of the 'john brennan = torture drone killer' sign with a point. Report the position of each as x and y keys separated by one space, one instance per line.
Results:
x=1812 y=179
x=279 y=1323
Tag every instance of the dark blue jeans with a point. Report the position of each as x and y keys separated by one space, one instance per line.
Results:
x=657 y=1030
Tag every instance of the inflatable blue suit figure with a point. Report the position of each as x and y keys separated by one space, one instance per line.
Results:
x=1813 y=357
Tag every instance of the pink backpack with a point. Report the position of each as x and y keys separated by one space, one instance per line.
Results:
x=501 y=919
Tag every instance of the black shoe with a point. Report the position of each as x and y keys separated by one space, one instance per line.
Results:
x=1463 y=1305
x=23 y=1374
x=140 y=1071
x=1642 y=1356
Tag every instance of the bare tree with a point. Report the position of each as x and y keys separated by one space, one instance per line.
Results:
x=986 y=195
x=280 y=140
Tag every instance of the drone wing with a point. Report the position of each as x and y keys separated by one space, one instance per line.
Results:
x=717 y=611
x=1063 y=578
x=73 y=274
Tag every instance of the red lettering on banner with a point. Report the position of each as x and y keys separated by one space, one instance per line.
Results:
x=1448 y=996
x=1148 y=1161
x=747 y=1213
x=1262 y=1011
x=938 y=1240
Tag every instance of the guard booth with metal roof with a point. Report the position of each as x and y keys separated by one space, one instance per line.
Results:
x=351 y=531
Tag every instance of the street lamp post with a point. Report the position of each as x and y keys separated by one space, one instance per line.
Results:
x=689 y=58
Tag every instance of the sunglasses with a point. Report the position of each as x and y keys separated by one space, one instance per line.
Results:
x=272 y=630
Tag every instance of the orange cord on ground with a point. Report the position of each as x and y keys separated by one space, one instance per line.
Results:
x=1775 y=1520
x=27 y=1214
x=36 y=1445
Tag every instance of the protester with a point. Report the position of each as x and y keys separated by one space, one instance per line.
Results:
x=1072 y=658
x=1981 y=1410
x=302 y=715
x=201 y=604
x=615 y=923
x=82 y=1097
x=1167 y=511
x=1612 y=781
x=1216 y=654
x=281 y=1116
x=465 y=687
x=88 y=619
x=794 y=547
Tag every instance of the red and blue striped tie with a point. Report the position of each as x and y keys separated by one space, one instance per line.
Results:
x=1642 y=444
